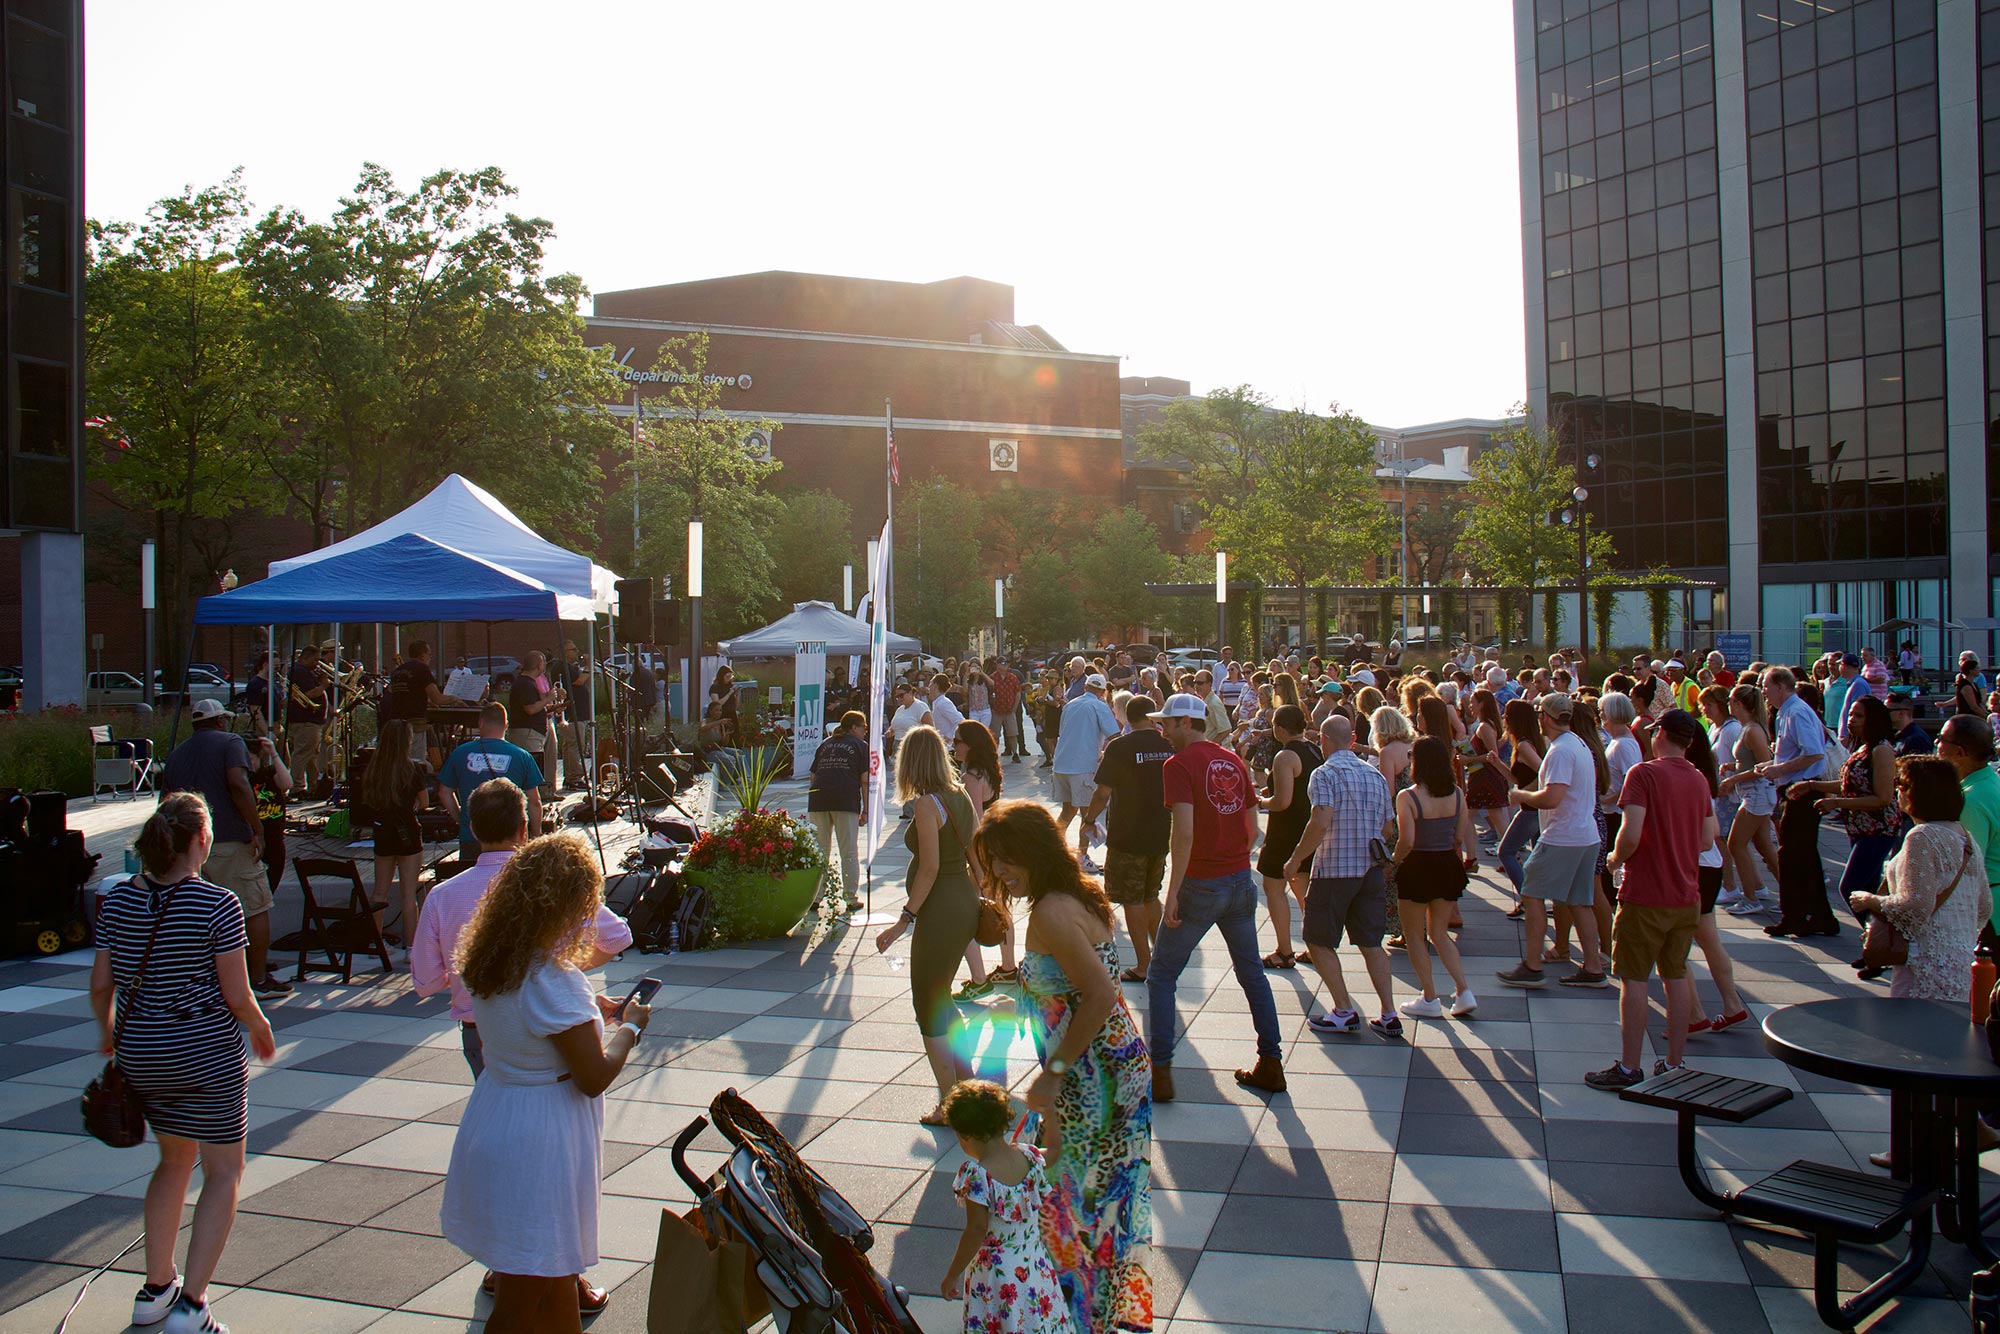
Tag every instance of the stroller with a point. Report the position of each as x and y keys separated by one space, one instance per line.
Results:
x=808 y=1242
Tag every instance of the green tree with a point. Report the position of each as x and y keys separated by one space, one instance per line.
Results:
x=171 y=359
x=1314 y=509
x=811 y=541
x=1020 y=521
x=1113 y=565
x=1436 y=530
x=692 y=460
x=1042 y=603
x=1659 y=583
x=942 y=590
x=1520 y=487
x=414 y=334
x=1218 y=439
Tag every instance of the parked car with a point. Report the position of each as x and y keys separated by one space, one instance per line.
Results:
x=202 y=683
x=112 y=690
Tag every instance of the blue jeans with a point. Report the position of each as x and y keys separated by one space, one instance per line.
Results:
x=1527 y=827
x=1866 y=856
x=1229 y=903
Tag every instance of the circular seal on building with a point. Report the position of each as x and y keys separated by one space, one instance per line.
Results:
x=742 y=382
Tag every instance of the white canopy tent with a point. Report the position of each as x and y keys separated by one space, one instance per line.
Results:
x=465 y=517
x=811 y=623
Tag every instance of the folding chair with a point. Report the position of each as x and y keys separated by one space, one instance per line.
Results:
x=338 y=932
x=113 y=763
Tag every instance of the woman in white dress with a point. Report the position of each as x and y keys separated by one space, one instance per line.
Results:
x=526 y=1167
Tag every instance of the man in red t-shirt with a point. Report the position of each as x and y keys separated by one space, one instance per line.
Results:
x=1214 y=805
x=1669 y=817
x=1006 y=705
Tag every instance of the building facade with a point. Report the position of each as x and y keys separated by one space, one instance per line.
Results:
x=1754 y=237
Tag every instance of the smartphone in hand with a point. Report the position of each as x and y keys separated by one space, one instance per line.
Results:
x=643 y=993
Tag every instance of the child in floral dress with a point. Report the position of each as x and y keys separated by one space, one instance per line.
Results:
x=1002 y=1265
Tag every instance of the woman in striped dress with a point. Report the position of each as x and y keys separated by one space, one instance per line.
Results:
x=181 y=1045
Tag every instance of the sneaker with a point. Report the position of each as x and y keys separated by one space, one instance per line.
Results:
x=1463 y=1003
x=1614 y=1077
x=1522 y=976
x=1583 y=977
x=190 y=1318
x=1729 y=898
x=1334 y=1021
x=1660 y=1067
x=1389 y=1026
x=150 y=1307
x=1715 y=1023
x=972 y=991
x=1090 y=867
x=1431 y=1008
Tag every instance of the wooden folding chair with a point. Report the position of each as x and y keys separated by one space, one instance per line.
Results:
x=339 y=932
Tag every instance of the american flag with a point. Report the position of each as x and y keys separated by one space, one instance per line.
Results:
x=121 y=440
x=895 y=471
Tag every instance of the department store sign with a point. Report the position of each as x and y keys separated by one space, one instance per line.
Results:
x=633 y=375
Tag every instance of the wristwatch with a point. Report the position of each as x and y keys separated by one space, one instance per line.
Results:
x=1057 y=1067
x=909 y=916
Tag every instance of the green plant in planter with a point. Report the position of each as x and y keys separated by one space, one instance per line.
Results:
x=746 y=773
x=761 y=870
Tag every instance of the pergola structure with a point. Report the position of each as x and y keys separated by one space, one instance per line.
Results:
x=1457 y=601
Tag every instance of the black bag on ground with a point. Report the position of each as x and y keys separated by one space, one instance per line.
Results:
x=691 y=919
x=623 y=892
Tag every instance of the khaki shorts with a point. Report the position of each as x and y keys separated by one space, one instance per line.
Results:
x=1645 y=937
x=1073 y=789
x=1133 y=877
x=240 y=871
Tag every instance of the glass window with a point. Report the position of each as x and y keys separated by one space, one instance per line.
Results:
x=1844 y=385
x=40 y=230
x=42 y=409
x=1801 y=98
x=1874 y=75
x=1882 y=328
x=1882 y=277
x=1878 y=175
x=38 y=73
x=1923 y=372
x=1843 y=335
x=1705 y=265
x=1837 y=136
x=1836 y=86
x=1840 y=185
x=1920 y=217
x=1923 y=322
x=1808 y=337
x=1916 y=62
x=1879 y=230
x=1808 y=294
x=1843 y=284
x=1917 y=165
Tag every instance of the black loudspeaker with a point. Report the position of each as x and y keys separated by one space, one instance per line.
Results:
x=48 y=815
x=666 y=622
x=635 y=611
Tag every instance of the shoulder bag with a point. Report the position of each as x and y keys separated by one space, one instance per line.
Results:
x=113 y=1111
x=1882 y=945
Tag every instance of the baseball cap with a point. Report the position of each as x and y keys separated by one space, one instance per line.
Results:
x=1094 y=682
x=1330 y=688
x=1554 y=703
x=1902 y=703
x=1672 y=663
x=1361 y=677
x=1181 y=706
x=1850 y=659
x=209 y=708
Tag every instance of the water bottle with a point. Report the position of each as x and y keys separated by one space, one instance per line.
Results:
x=1986 y=1301
x=1985 y=971
x=674 y=936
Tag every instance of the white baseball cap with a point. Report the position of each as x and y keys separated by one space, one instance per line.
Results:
x=1362 y=677
x=208 y=708
x=1182 y=706
x=1094 y=682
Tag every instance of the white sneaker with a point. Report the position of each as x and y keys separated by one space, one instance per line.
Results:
x=1419 y=1008
x=151 y=1309
x=187 y=1318
x=1463 y=1003
x=1729 y=898
x=1747 y=908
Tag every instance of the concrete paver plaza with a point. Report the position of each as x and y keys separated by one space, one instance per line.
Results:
x=1463 y=1180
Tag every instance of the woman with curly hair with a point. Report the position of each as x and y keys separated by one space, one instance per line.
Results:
x=1094 y=1092
x=521 y=1195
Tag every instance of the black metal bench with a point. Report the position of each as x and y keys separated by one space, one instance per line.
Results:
x=1830 y=1204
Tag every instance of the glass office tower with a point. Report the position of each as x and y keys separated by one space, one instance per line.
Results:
x=1755 y=251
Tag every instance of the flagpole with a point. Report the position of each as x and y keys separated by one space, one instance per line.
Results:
x=889 y=508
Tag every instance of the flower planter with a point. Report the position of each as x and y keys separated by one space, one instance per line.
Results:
x=755 y=905
x=739 y=758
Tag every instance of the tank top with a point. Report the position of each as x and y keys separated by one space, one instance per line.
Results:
x=951 y=842
x=1525 y=774
x=1284 y=827
x=1437 y=833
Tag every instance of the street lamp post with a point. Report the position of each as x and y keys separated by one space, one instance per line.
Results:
x=847 y=588
x=999 y=617
x=1580 y=493
x=1221 y=604
x=694 y=618
x=148 y=599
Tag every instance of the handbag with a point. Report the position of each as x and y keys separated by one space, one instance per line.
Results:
x=113 y=1110
x=993 y=922
x=1882 y=945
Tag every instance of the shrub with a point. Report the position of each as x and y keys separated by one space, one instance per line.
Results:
x=739 y=860
x=50 y=748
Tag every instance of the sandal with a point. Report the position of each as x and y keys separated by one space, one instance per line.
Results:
x=1281 y=959
x=1131 y=975
x=1516 y=913
x=934 y=1117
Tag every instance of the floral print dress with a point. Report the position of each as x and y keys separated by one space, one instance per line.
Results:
x=1098 y=1219
x=1011 y=1285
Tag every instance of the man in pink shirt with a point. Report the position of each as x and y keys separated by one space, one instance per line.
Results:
x=499 y=815
x=1876 y=673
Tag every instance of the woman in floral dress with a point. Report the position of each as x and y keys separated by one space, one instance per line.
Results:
x=1094 y=1092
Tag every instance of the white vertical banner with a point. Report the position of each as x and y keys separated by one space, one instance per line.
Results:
x=808 y=704
x=878 y=696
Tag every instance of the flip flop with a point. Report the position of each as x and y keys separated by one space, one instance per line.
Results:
x=1281 y=959
x=1131 y=975
x=934 y=1117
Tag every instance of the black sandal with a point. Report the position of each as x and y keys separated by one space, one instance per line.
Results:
x=1281 y=959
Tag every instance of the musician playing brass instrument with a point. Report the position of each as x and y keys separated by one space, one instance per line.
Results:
x=413 y=691
x=305 y=717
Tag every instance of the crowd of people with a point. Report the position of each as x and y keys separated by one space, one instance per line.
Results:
x=1622 y=812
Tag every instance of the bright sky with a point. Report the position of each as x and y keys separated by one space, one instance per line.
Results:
x=1319 y=198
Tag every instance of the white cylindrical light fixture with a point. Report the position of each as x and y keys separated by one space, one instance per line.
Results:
x=148 y=555
x=999 y=598
x=847 y=588
x=694 y=558
x=1222 y=576
x=874 y=549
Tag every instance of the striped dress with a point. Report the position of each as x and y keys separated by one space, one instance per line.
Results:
x=181 y=1047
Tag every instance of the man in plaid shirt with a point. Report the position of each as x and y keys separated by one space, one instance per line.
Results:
x=1348 y=891
x=1006 y=704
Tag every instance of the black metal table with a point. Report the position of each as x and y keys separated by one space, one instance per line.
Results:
x=1936 y=1066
